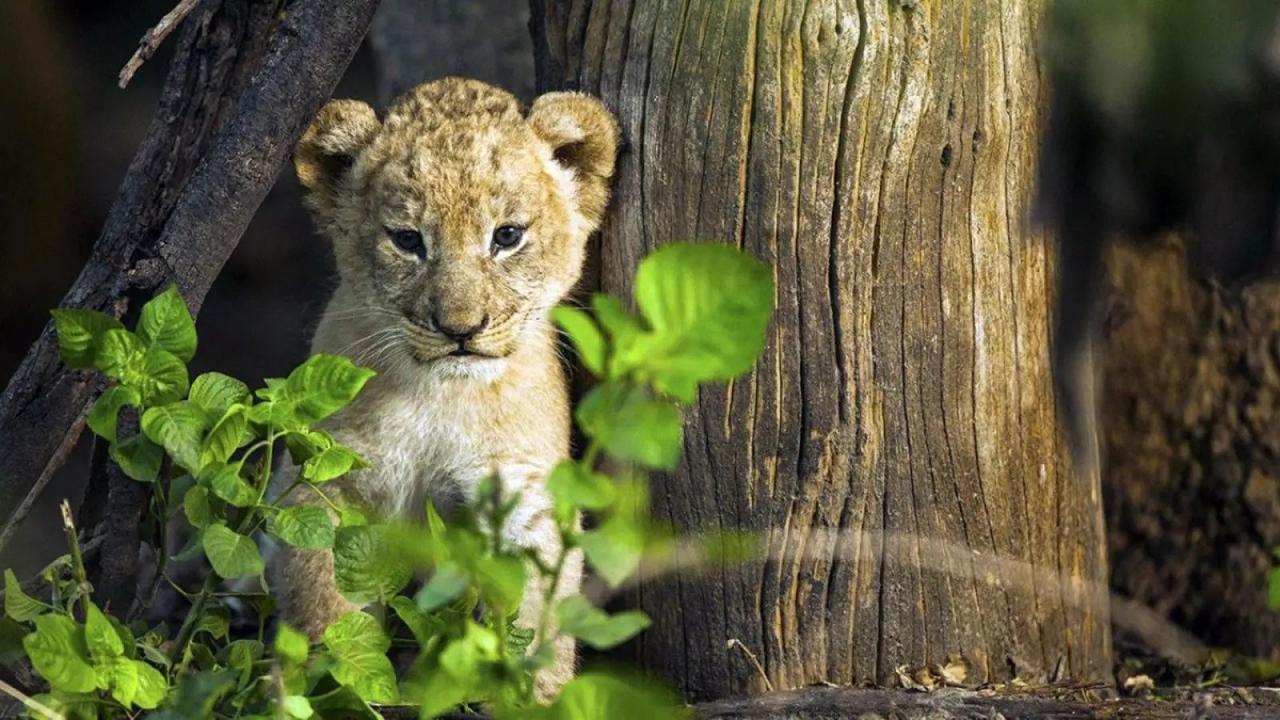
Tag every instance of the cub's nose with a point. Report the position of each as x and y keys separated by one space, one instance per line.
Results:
x=458 y=334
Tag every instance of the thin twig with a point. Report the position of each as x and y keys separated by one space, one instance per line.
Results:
x=153 y=38
x=33 y=495
x=44 y=710
x=764 y=677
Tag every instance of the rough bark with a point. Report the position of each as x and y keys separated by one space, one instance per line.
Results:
x=1191 y=392
x=898 y=442
x=245 y=80
x=415 y=41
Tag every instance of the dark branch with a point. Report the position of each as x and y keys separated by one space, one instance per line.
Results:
x=245 y=81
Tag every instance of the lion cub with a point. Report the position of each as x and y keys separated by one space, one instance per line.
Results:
x=458 y=221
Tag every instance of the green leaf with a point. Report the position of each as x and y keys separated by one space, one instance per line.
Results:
x=215 y=393
x=320 y=387
x=105 y=413
x=120 y=674
x=614 y=550
x=178 y=428
x=161 y=379
x=167 y=323
x=138 y=457
x=120 y=354
x=500 y=579
x=465 y=656
x=579 y=488
x=708 y=308
x=623 y=328
x=152 y=686
x=359 y=646
x=232 y=555
x=57 y=650
x=332 y=462
x=100 y=635
x=217 y=624
x=291 y=645
x=595 y=627
x=80 y=334
x=1273 y=589
x=631 y=426
x=195 y=695
x=306 y=444
x=303 y=526
x=297 y=706
x=596 y=695
x=195 y=505
x=364 y=565
x=423 y=626
x=229 y=434
x=225 y=482
x=446 y=583
x=586 y=337
x=18 y=605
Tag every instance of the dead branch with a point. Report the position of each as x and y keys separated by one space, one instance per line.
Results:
x=153 y=38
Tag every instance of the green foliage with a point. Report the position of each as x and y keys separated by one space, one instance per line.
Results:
x=208 y=446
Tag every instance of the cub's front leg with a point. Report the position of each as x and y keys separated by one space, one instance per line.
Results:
x=531 y=525
x=303 y=580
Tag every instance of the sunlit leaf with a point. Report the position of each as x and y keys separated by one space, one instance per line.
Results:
x=165 y=322
x=80 y=334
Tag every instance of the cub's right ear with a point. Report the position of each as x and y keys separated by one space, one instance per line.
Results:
x=329 y=147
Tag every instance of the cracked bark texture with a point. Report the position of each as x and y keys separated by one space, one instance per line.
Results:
x=898 y=443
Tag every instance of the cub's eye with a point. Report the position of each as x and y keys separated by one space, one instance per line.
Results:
x=507 y=237
x=409 y=241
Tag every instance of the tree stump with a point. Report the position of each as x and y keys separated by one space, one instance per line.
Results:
x=898 y=444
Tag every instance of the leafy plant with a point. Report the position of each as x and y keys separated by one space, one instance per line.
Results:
x=207 y=448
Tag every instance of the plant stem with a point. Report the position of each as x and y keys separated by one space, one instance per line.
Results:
x=77 y=558
x=197 y=610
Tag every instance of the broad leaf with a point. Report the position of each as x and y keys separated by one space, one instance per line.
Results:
x=579 y=618
x=228 y=435
x=332 y=462
x=80 y=334
x=215 y=393
x=58 y=651
x=100 y=635
x=586 y=337
x=104 y=416
x=291 y=645
x=303 y=526
x=225 y=482
x=321 y=386
x=18 y=605
x=138 y=457
x=167 y=323
x=359 y=646
x=579 y=488
x=232 y=555
x=631 y=426
x=365 y=567
x=152 y=686
x=708 y=308
x=178 y=428
x=446 y=583
x=596 y=695
x=196 y=506
x=614 y=550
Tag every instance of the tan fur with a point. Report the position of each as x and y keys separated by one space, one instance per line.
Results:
x=453 y=159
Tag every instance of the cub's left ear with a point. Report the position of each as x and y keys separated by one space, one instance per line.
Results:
x=583 y=135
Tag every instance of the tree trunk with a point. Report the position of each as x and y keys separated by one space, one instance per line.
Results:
x=1191 y=387
x=898 y=442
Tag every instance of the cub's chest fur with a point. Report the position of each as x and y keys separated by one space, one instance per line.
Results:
x=429 y=435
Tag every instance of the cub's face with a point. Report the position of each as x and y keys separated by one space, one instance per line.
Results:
x=459 y=220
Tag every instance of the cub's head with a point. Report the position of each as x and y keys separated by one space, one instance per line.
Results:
x=459 y=219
